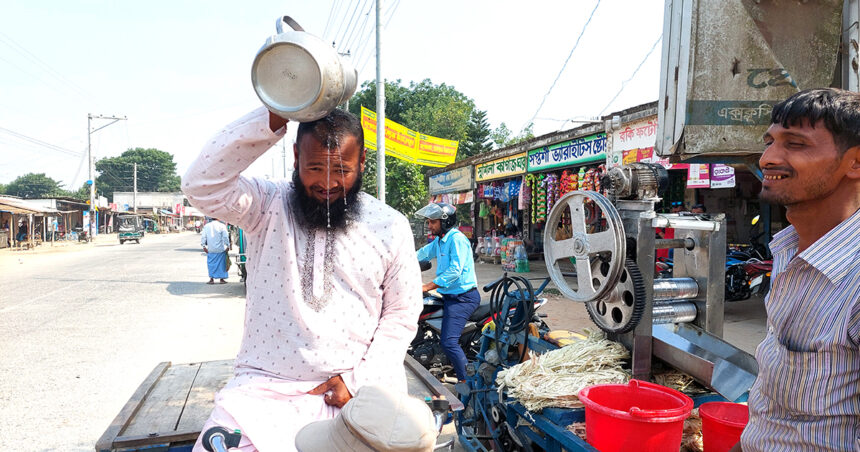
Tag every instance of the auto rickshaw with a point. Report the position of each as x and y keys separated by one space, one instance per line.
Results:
x=130 y=228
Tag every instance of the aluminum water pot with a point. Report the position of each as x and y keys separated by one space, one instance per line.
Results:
x=298 y=76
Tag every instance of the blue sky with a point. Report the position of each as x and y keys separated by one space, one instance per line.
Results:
x=180 y=69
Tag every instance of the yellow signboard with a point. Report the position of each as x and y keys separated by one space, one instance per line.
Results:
x=503 y=167
x=407 y=144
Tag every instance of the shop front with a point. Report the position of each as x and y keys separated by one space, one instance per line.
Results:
x=456 y=187
x=555 y=170
x=693 y=187
x=498 y=196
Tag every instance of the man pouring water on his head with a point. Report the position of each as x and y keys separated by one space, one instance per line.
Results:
x=333 y=288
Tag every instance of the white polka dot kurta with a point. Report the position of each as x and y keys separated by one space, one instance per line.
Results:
x=288 y=348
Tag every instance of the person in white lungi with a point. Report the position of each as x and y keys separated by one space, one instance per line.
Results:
x=333 y=287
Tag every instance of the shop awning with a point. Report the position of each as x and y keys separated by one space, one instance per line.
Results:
x=21 y=206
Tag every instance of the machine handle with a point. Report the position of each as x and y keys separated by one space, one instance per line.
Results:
x=279 y=25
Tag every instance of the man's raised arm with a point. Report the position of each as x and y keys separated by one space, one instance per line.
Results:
x=213 y=182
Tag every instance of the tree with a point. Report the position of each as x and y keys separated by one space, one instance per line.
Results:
x=2 y=189
x=477 y=136
x=34 y=185
x=156 y=171
x=438 y=110
x=501 y=136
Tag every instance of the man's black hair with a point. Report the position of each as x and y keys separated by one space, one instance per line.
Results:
x=333 y=128
x=838 y=109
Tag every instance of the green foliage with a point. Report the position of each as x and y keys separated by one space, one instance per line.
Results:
x=501 y=136
x=437 y=110
x=156 y=171
x=2 y=189
x=477 y=136
x=82 y=193
x=34 y=185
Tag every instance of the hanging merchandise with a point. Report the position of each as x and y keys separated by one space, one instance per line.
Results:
x=589 y=179
x=601 y=169
x=531 y=183
x=581 y=178
x=484 y=210
x=541 y=199
x=567 y=183
x=514 y=188
x=525 y=193
x=551 y=182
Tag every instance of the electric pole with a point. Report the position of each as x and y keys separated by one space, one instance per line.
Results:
x=92 y=180
x=380 y=109
x=134 y=197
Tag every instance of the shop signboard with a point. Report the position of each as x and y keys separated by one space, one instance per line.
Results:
x=503 y=167
x=635 y=137
x=698 y=176
x=722 y=176
x=459 y=179
x=568 y=153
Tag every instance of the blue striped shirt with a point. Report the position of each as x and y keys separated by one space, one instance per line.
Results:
x=807 y=394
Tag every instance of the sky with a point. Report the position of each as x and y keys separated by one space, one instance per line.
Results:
x=180 y=70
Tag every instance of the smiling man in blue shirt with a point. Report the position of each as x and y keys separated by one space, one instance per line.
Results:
x=455 y=278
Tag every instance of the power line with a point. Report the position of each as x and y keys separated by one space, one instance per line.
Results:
x=348 y=27
x=330 y=15
x=349 y=40
x=33 y=58
x=584 y=27
x=50 y=146
x=342 y=22
x=369 y=44
x=387 y=21
x=624 y=83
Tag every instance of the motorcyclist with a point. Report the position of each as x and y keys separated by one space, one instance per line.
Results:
x=455 y=278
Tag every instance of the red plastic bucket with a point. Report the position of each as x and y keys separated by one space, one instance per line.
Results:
x=722 y=424
x=638 y=416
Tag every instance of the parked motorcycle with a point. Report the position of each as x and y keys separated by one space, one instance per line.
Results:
x=748 y=267
x=426 y=348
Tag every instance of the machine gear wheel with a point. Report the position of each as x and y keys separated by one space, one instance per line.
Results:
x=622 y=309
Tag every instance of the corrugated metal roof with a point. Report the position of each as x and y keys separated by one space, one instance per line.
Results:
x=16 y=205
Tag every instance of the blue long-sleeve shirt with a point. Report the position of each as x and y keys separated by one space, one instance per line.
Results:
x=455 y=267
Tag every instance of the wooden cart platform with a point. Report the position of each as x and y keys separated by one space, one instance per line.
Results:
x=168 y=410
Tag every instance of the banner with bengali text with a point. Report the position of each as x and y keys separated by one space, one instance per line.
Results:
x=408 y=145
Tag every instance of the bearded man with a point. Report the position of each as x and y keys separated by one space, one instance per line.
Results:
x=333 y=287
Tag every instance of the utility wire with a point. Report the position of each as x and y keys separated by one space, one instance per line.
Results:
x=350 y=42
x=584 y=27
x=390 y=16
x=32 y=140
x=624 y=83
x=330 y=15
x=340 y=26
x=368 y=44
x=38 y=62
x=352 y=17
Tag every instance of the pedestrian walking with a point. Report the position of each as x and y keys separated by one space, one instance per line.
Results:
x=216 y=242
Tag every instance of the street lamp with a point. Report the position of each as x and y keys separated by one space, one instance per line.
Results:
x=92 y=162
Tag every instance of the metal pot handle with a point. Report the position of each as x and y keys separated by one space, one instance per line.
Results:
x=279 y=25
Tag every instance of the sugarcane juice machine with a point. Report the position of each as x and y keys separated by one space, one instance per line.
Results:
x=600 y=251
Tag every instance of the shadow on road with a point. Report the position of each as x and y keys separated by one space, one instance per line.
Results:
x=203 y=290
x=196 y=250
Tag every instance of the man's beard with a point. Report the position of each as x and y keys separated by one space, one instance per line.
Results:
x=318 y=215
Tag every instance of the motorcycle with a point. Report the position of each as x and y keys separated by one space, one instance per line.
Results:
x=426 y=348
x=748 y=268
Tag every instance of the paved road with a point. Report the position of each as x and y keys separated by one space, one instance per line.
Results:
x=84 y=325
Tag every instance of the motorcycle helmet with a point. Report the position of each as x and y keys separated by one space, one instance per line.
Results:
x=439 y=211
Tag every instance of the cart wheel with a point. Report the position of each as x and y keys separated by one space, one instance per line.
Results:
x=137 y=241
x=121 y=242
